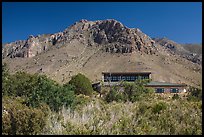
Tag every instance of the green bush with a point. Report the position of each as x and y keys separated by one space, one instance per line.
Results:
x=111 y=95
x=132 y=92
x=82 y=84
x=175 y=96
x=157 y=108
x=18 y=119
x=143 y=107
x=81 y=100
x=6 y=80
x=37 y=89
x=51 y=93
x=195 y=94
x=116 y=95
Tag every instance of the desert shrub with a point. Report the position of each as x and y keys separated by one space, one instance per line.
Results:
x=143 y=107
x=131 y=92
x=54 y=95
x=157 y=108
x=111 y=95
x=115 y=95
x=195 y=94
x=136 y=90
x=80 y=101
x=5 y=79
x=98 y=117
x=175 y=96
x=18 y=119
x=82 y=84
x=21 y=84
x=37 y=89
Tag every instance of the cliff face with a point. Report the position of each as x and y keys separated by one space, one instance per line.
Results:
x=27 y=48
x=111 y=34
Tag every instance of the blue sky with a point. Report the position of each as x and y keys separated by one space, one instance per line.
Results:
x=178 y=21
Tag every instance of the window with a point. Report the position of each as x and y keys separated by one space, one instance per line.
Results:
x=142 y=77
x=119 y=78
x=114 y=78
x=146 y=77
x=159 y=90
x=139 y=77
x=106 y=79
x=128 y=78
x=132 y=78
x=174 y=90
x=123 y=77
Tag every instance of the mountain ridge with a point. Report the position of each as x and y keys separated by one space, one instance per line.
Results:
x=110 y=33
x=92 y=47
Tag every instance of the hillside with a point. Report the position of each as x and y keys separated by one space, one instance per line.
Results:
x=193 y=48
x=92 y=47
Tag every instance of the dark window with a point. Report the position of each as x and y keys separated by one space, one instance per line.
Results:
x=119 y=78
x=146 y=77
x=107 y=79
x=111 y=77
x=128 y=78
x=142 y=77
x=174 y=90
x=132 y=78
x=123 y=77
x=114 y=78
x=139 y=77
x=159 y=90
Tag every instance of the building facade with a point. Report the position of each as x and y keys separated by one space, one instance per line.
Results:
x=113 y=78
x=164 y=87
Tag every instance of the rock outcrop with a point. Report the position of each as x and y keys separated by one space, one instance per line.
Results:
x=111 y=34
x=176 y=48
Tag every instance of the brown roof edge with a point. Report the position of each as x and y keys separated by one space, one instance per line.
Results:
x=126 y=72
x=178 y=85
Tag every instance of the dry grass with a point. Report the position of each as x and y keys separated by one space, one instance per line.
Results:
x=98 y=117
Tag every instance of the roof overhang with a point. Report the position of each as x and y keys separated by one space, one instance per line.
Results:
x=122 y=73
x=164 y=84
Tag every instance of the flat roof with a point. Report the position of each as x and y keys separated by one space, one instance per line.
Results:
x=126 y=72
x=164 y=84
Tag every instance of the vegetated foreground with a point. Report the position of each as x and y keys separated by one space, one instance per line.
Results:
x=34 y=104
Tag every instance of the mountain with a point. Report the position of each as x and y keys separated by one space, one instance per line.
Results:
x=113 y=35
x=191 y=52
x=193 y=48
x=92 y=47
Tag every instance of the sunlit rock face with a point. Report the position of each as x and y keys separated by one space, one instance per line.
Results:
x=111 y=34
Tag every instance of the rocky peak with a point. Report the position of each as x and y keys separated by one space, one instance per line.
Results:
x=111 y=34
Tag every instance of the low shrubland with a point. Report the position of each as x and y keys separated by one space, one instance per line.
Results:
x=155 y=117
x=19 y=119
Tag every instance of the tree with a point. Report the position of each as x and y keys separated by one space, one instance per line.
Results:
x=131 y=91
x=136 y=90
x=82 y=84
x=37 y=89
